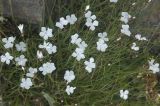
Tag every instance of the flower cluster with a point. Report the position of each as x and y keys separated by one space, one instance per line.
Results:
x=78 y=41
x=21 y=60
x=79 y=51
x=46 y=68
x=90 y=65
x=45 y=34
x=125 y=27
x=91 y=21
x=9 y=43
x=49 y=47
x=69 y=76
x=140 y=38
x=154 y=67
x=101 y=44
x=70 y=19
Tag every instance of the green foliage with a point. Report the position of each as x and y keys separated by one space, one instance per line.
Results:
x=98 y=88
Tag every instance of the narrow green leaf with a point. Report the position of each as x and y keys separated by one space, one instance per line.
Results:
x=48 y=98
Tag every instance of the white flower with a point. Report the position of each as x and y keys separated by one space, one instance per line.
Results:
x=89 y=15
x=8 y=42
x=88 y=22
x=91 y=21
x=69 y=76
x=31 y=72
x=71 y=19
x=82 y=45
x=124 y=94
x=125 y=17
x=39 y=54
x=154 y=67
x=139 y=37
x=47 y=68
x=114 y=1
x=46 y=33
x=125 y=30
x=21 y=47
x=91 y=24
x=21 y=60
x=78 y=41
x=90 y=65
x=87 y=7
x=103 y=36
x=45 y=45
x=61 y=23
x=75 y=39
x=78 y=54
x=20 y=27
x=70 y=90
x=49 y=47
x=101 y=45
x=134 y=47
x=26 y=83
x=6 y=58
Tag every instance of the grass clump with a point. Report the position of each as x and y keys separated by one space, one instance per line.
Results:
x=117 y=68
